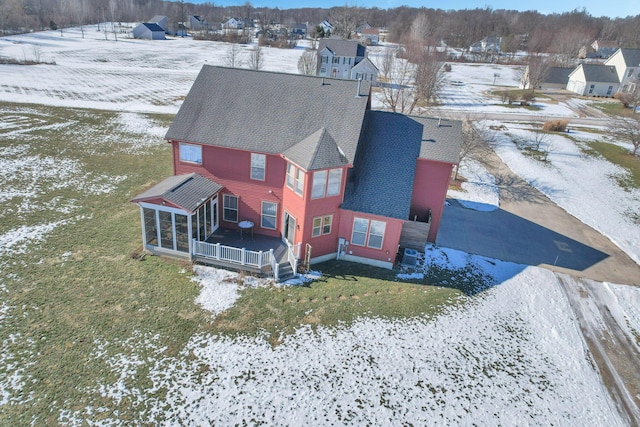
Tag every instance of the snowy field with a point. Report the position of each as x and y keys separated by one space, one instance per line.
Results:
x=511 y=355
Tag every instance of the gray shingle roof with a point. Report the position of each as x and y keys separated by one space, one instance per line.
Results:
x=381 y=182
x=600 y=73
x=558 y=75
x=441 y=139
x=348 y=48
x=631 y=57
x=187 y=191
x=269 y=112
x=318 y=151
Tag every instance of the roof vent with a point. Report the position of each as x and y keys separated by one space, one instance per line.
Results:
x=359 y=84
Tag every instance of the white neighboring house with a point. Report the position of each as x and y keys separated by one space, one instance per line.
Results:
x=196 y=23
x=234 y=24
x=594 y=80
x=339 y=58
x=365 y=70
x=162 y=22
x=627 y=64
x=148 y=31
x=327 y=27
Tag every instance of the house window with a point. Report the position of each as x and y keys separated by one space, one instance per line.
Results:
x=359 y=234
x=336 y=60
x=299 y=181
x=326 y=183
x=591 y=88
x=258 y=162
x=325 y=59
x=609 y=90
x=319 y=184
x=335 y=182
x=630 y=73
x=358 y=76
x=191 y=153
x=321 y=225
x=368 y=233
x=230 y=208
x=295 y=178
x=269 y=214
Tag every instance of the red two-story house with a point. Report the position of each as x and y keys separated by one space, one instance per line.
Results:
x=302 y=160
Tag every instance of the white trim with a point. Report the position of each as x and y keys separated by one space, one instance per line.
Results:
x=323 y=258
x=367 y=261
x=256 y=156
x=163 y=208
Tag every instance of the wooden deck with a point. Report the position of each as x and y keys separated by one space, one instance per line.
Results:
x=257 y=242
x=414 y=235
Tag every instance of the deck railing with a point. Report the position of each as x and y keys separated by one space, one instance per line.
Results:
x=239 y=256
x=293 y=254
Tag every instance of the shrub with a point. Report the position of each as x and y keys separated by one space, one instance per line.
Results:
x=623 y=98
x=447 y=68
x=558 y=125
x=528 y=98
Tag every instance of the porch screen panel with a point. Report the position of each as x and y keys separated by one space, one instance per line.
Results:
x=182 y=233
x=166 y=230
x=202 y=219
x=150 y=227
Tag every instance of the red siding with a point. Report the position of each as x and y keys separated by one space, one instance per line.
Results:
x=430 y=185
x=232 y=169
x=389 y=243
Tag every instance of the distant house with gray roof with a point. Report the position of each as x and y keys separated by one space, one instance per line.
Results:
x=594 y=80
x=162 y=22
x=301 y=160
x=338 y=58
x=627 y=64
x=149 y=31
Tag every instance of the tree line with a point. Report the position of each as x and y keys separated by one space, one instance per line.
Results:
x=529 y=30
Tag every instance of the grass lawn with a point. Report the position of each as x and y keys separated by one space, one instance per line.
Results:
x=70 y=291
x=613 y=108
x=621 y=157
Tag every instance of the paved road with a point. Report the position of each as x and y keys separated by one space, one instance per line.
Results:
x=530 y=229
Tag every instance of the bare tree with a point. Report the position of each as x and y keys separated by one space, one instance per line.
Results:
x=233 y=56
x=429 y=77
x=628 y=128
x=536 y=71
x=345 y=21
x=256 y=58
x=394 y=80
x=308 y=63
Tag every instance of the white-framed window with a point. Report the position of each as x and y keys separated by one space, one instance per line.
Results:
x=609 y=90
x=335 y=182
x=321 y=225
x=269 y=215
x=325 y=59
x=230 y=208
x=336 y=60
x=295 y=178
x=291 y=175
x=376 y=234
x=190 y=153
x=258 y=166
x=299 y=181
x=630 y=72
x=319 y=184
x=326 y=183
x=591 y=88
x=368 y=233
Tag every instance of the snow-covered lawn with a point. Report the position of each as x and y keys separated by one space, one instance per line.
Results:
x=510 y=355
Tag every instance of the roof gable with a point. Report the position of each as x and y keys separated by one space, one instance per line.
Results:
x=600 y=73
x=347 y=48
x=269 y=112
x=318 y=151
